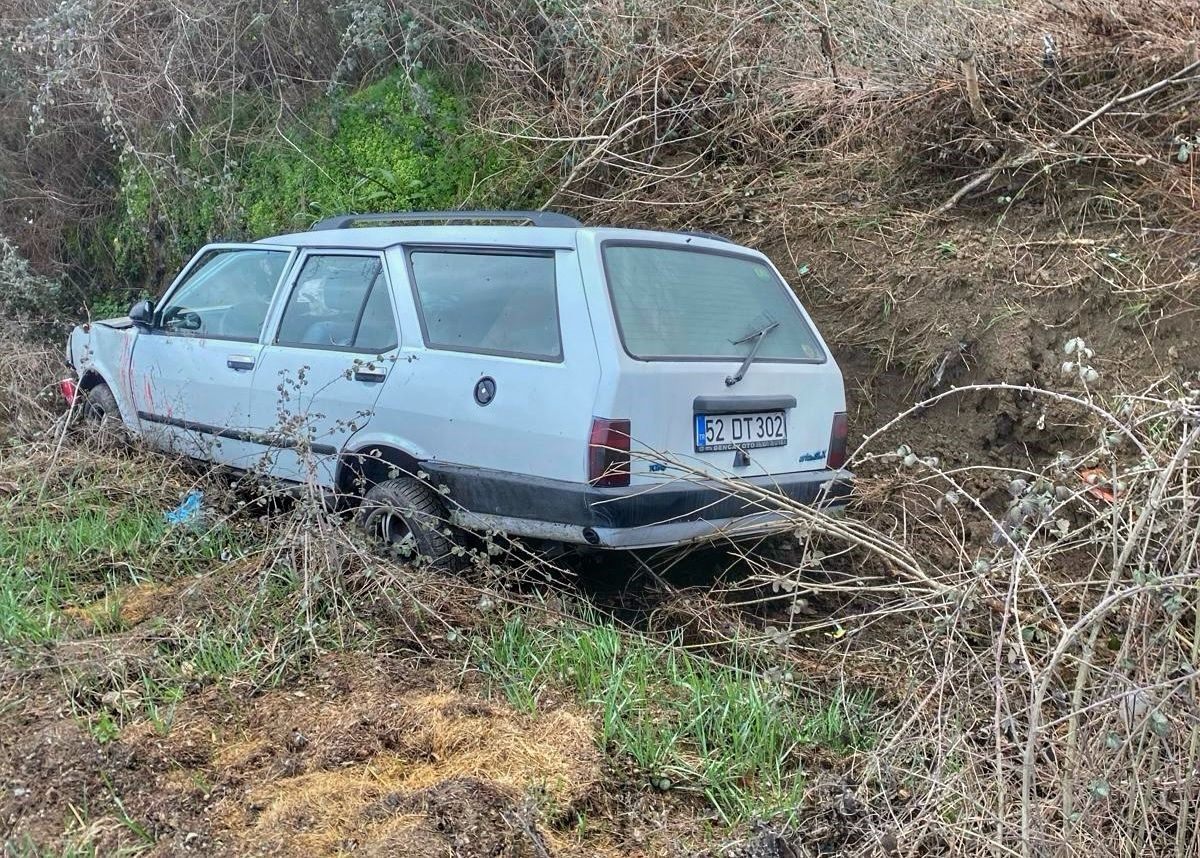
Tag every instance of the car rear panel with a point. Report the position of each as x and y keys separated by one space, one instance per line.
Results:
x=663 y=397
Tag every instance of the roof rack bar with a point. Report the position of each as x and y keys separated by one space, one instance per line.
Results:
x=711 y=236
x=535 y=218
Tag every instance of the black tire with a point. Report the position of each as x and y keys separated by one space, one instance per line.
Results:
x=407 y=515
x=100 y=407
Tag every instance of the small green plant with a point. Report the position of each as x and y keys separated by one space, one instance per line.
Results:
x=104 y=727
x=112 y=306
x=1136 y=310
x=54 y=556
x=123 y=816
x=948 y=249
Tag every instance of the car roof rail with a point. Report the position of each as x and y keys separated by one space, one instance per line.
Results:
x=534 y=218
x=712 y=236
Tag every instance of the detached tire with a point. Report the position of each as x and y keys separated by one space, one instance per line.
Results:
x=407 y=515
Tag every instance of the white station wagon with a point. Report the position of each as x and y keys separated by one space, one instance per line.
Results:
x=513 y=372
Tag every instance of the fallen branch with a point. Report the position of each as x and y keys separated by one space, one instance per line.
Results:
x=1034 y=152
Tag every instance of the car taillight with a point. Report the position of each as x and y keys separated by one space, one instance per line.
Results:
x=608 y=453
x=837 y=441
x=69 y=390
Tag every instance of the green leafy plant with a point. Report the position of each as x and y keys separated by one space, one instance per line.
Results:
x=399 y=144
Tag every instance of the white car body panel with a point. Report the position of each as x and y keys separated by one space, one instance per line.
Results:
x=530 y=440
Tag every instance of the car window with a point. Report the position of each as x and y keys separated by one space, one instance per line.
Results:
x=693 y=304
x=327 y=303
x=377 y=331
x=226 y=294
x=494 y=303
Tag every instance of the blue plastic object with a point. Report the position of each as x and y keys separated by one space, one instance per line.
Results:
x=187 y=512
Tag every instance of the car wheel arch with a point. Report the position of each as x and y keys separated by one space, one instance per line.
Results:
x=90 y=379
x=360 y=469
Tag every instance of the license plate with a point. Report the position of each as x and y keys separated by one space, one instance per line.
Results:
x=717 y=432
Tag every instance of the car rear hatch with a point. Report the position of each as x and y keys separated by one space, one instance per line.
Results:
x=721 y=372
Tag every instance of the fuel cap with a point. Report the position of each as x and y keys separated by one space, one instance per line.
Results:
x=485 y=390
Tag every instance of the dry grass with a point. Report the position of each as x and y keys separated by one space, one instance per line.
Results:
x=835 y=137
x=126 y=606
x=1041 y=626
x=1037 y=643
x=384 y=800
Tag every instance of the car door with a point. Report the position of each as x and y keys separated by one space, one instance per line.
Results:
x=191 y=370
x=318 y=377
x=504 y=375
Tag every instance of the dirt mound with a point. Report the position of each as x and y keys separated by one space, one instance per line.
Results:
x=364 y=762
x=369 y=768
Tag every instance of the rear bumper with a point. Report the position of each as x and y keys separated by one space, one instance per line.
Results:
x=669 y=513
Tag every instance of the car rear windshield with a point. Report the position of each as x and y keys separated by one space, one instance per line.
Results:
x=673 y=303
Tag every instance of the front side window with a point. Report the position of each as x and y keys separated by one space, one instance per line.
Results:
x=488 y=302
x=377 y=330
x=692 y=304
x=226 y=294
x=339 y=302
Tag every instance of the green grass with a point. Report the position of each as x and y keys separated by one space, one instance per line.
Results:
x=726 y=732
x=71 y=544
x=57 y=552
x=722 y=730
x=948 y=249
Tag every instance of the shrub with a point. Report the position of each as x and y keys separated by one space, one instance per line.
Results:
x=396 y=145
x=28 y=300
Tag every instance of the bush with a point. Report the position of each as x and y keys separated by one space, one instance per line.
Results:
x=396 y=145
x=28 y=300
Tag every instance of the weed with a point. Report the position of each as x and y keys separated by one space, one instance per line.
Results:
x=126 y=820
x=1009 y=310
x=721 y=730
x=395 y=145
x=104 y=727
x=1138 y=310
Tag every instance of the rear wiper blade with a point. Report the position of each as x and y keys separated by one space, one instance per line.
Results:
x=758 y=337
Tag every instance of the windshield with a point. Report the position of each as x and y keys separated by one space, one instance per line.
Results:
x=695 y=304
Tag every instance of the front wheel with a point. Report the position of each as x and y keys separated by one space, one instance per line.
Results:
x=100 y=407
x=406 y=515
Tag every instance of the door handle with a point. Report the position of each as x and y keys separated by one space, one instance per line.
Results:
x=374 y=376
x=240 y=362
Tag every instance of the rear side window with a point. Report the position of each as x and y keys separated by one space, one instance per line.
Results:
x=226 y=294
x=488 y=302
x=339 y=302
x=693 y=304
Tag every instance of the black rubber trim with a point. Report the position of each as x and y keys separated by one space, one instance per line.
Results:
x=741 y=404
x=501 y=493
x=234 y=434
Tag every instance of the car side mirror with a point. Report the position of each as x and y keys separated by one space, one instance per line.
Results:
x=142 y=314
